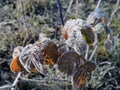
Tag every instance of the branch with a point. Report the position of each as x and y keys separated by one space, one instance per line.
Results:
x=40 y=80
x=76 y=8
x=68 y=9
x=30 y=82
x=93 y=53
x=87 y=51
x=16 y=81
x=113 y=13
x=6 y=87
x=60 y=11
x=99 y=3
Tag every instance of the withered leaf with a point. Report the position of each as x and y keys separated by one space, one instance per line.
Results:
x=31 y=59
x=49 y=51
x=88 y=66
x=16 y=66
x=82 y=74
x=80 y=78
x=68 y=62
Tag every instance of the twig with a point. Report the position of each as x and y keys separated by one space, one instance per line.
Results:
x=43 y=79
x=6 y=87
x=60 y=11
x=76 y=8
x=61 y=45
x=68 y=9
x=16 y=81
x=98 y=4
x=87 y=51
x=93 y=52
x=113 y=13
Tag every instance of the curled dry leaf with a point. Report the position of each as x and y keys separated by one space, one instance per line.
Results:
x=49 y=51
x=82 y=75
x=68 y=62
x=15 y=65
x=31 y=59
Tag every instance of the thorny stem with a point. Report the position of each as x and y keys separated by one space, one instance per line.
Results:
x=16 y=81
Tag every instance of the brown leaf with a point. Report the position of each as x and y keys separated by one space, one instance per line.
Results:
x=68 y=62
x=88 y=66
x=16 y=66
x=81 y=76
x=49 y=51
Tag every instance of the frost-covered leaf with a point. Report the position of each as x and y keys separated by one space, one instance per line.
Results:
x=69 y=62
x=31 y=59
x=83 y=73
x=15 y=65
x=88 y=35
x=49 y=51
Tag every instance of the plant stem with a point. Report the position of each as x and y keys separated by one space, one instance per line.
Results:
x=16 y=81
x=93 y=52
